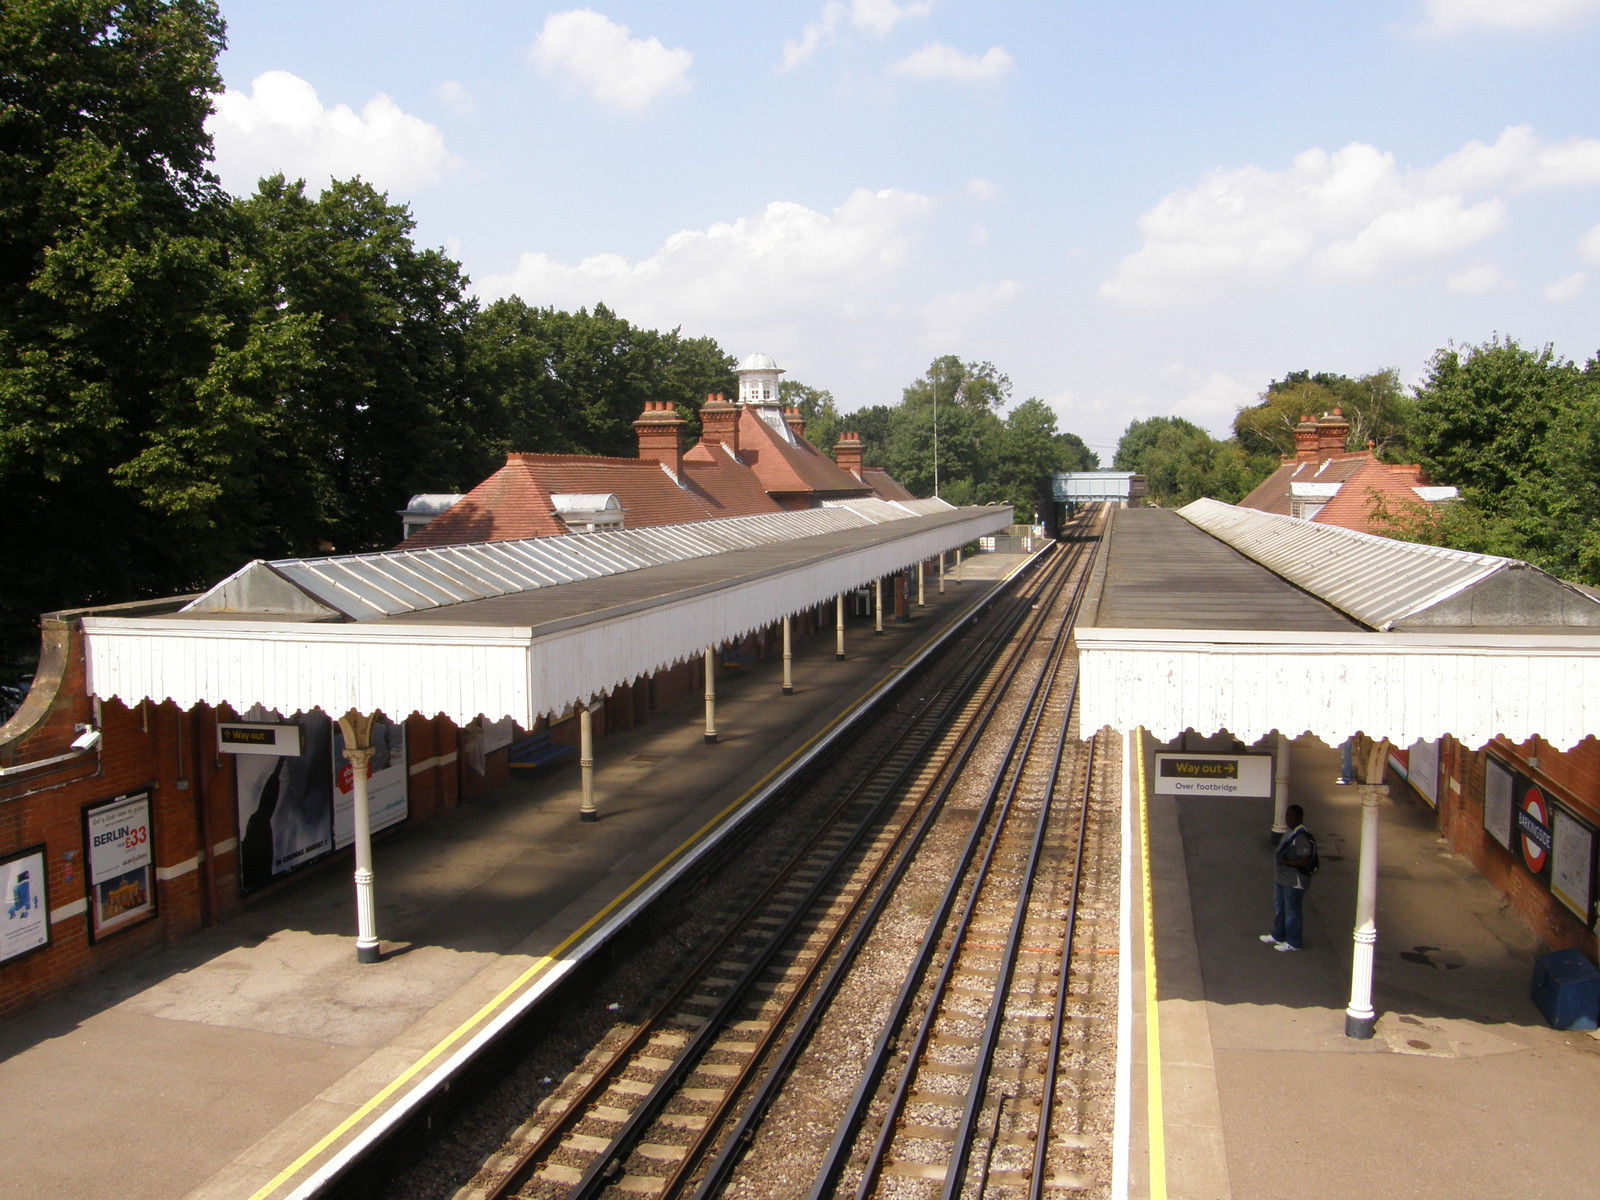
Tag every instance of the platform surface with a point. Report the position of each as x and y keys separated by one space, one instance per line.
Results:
x=1464 y=1091
x=205 y=1070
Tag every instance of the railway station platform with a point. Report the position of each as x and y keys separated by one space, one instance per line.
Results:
x=240 y=1061
x=1465 y=1091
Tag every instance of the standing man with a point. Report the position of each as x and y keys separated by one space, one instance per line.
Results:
x=1289 y=882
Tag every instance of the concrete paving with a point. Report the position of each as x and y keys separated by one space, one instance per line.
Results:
x=209 y=1068
x=1464 y=1091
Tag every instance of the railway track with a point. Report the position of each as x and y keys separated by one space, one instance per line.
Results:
x=668 y=1106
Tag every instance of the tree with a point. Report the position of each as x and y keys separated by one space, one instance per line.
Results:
x=119 y=309
x=817 y=409
x=385 y=412
x=1182 y=462
x=1518 y=431
x=1375 y=404
x=574 y=383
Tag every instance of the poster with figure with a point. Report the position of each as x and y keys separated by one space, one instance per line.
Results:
x=386 y=781
x=1497 y=786
x=24 y=903
x=121 y=857
x=285 y=804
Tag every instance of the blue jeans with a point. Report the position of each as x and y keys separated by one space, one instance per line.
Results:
x=1286 y=920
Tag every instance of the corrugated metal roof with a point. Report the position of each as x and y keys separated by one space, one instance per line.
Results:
x=1378 y=581
x=365 y=587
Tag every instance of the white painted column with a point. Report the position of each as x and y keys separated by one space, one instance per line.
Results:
x=941 y=572
x=788 y=660
x=357 y=731
x=877 y=606
x=1359 y=1018
x=838 y=625
x=711 y=694
x=921 y=603
x=1280 y=791
x=958 y=564
x=586 y=811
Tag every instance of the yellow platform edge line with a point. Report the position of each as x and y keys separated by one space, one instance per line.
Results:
x=546 y=961
x=1152 y=1028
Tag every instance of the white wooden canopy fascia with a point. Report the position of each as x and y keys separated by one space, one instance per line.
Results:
x=1401 y=686
x=399 y=667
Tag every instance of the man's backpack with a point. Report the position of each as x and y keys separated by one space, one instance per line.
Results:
x=1315 y=863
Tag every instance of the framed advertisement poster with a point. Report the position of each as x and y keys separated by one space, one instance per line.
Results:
x=1572 y=863
x=285 y=803
x=1497 y=786
x=24 y=904
x=387 y=779
x=1423 y=773
x=121 y=857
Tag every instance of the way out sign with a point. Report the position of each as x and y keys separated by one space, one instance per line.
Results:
x=284 y=741
x=1246 y=775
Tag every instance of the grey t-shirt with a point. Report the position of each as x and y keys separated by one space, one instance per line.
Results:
x=1296 y=844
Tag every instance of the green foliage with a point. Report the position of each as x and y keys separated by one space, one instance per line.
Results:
x=823 y=425
x=1375 y=404
x=1182 y=462
x=574 y=383
x=1518 y=431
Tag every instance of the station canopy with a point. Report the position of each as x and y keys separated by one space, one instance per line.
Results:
x=507 y=629
x=1218 y=618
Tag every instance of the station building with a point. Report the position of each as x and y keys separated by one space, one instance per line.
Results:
x=174 y=756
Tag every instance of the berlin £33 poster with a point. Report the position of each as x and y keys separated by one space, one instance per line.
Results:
x=121 y=863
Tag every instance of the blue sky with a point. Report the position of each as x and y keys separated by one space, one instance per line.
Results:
x=1132 y=209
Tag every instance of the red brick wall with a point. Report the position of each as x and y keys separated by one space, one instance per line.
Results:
x=1461 y=789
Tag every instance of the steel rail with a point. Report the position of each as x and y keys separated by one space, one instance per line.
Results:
x=845 y=1136
x=722 y=1167
x=944 y=699
x=1058 y=1017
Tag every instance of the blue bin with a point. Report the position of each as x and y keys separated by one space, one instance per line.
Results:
x=1566 y=987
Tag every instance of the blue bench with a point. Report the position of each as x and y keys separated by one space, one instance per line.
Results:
x=537 y=751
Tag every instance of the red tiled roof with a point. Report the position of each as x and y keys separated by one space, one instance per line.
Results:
x=1272 y=493
x=727 y=488
x=884 y=486
x=1351 y=508
x=515 y=503
x=786 y=468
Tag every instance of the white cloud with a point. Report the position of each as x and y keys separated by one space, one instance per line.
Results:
x=787 y=263
x=1478 y=280
x=1350 y=214
x=946 y=319
x=980 y=235
x=282 y=125
x=598 y=56
x=877 y=17
x=1211 y=399
x=1434 y=228
x=1518 y=162
x=1567 y=288
x=982 y=189
x=1589 y=247
x=1458 y=16
x=456 y=96
x=940 y=62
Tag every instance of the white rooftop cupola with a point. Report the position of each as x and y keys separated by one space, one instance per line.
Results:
x=758 y=388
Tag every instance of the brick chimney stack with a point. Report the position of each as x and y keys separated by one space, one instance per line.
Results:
x=795 y=422
x=847 y=453
x=1333 y=434
x=719 y=423
x=1305 y=440
x=660 y=431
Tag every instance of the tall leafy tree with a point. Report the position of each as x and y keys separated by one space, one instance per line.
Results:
x=574 y=383
x=1375 y=404
x=818 y=411
x=119 y=310
x=1182 y=462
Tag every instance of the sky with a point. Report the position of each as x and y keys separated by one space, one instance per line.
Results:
x=1131 y=209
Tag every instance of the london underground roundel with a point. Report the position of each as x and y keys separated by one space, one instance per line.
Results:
x=1533 y=824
